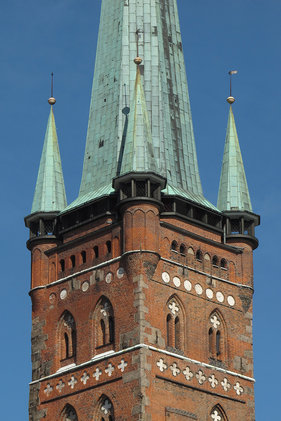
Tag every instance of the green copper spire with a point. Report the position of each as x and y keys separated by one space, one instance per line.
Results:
x=49 y=192
x=233 y=190
x=151 y=30
x=138 y=150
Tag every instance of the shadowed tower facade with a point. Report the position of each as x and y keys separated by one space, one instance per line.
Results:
x=141 y=288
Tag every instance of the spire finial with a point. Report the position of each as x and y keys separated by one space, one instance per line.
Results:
x=231 y=99
x=52 y=100
x=138 y=59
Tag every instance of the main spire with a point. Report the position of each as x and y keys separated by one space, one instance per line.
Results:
x=164 y=91
x=49 y=192
x=233 y=190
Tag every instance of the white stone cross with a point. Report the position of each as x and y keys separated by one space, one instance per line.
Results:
x=173 y=307
x=60 y=386
x=216 y=416
x=48 y=389
x=106 y=407
x=104 y=310
x=122 y=365
x=188 y=374
x=72 y=382
x=109 y=370
x=200 y=377
x=238 y=389
x=162 y=366
x=175 y=370
x=213 y=381
x=97 y=374
x=85 y=377
x=215 y=321
x=226 y=385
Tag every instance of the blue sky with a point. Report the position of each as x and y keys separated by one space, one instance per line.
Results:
x=38 y=37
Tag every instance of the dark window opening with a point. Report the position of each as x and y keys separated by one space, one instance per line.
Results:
x=96 y=252
x=223 y=264
x=218 y=343
x=174 y=245
x=199 y=255
x=169 y=333
x=182 y=249
x=66 y=343
x=72 y=259
x=108 y=246
x=83 y=256
x=177 y=333
x=111 y=329
x=215 y=261
x=62 y=265
x=103 y=332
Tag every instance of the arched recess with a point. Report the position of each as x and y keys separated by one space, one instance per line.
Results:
x=69 y=414
x=104 y=410
x=67 y=338
x=175 y=323
x=103 y=324
x=190 y=256
x=218 y=414
x=217 y=337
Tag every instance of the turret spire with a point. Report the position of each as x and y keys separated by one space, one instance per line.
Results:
x=233 y=190
x=49 y=192
x=160 y=101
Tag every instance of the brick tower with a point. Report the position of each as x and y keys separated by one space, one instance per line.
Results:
x=141 y=288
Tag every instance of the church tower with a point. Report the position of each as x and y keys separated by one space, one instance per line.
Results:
x=141 y=288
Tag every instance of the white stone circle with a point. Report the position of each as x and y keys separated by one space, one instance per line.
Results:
x=109 y=278
x=198 y=289
x=209 y=293
x=231 y=300
x=177 y=281
x=63 y=294
x=85 y=286
x=120 y=272
x=220 y=297
x=188 y=285
x=166 y=277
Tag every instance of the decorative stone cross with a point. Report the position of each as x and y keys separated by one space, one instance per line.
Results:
x=85 y=377
x=48 y=389
x=175 y=370
x=97 y=374
x=238 y=389
x=109 y=370
x=106 y=407
x=104 y=310
x=60 y=386
x=72 y=382
x=200 y=377
x=216 y=416
x=188 y=374
x=122 y=365
x=213 y=381
x=215 y=321
x=174 y=308
x=162 y=366
x=226 y=385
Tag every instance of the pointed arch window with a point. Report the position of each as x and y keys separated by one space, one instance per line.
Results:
x=105 y=410
x=96 y=252
x=104 y=323
x=67 y=337
x=69 y=414
x=218 y=414
x=174 y=246
x=83 y=256
x=217 y=337
x=174 y=325
x=199 y=255
x=73 y=261
x=108 y=247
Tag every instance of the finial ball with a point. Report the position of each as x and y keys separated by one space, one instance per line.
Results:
x=52 y=101
x=138 y=60
x=230 y=100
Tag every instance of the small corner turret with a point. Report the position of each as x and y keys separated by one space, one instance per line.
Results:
x=49 y=196
x=233 y=197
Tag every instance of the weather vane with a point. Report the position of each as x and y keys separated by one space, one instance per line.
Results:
x=52 y=100
x=231 y=99
x=138 y=59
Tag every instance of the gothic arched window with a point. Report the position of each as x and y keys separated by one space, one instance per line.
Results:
x=103 y=323
x=69 y=414
x=218 y=414
x=217 y=337
x=174 y=245
x=174 y=324
x=105 y=410
x=67 y=336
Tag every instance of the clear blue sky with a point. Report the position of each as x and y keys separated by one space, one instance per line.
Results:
x=38 y=37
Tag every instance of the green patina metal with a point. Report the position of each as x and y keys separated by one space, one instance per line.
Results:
x=233 y=190
x=124 y=111
x=49 y=192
